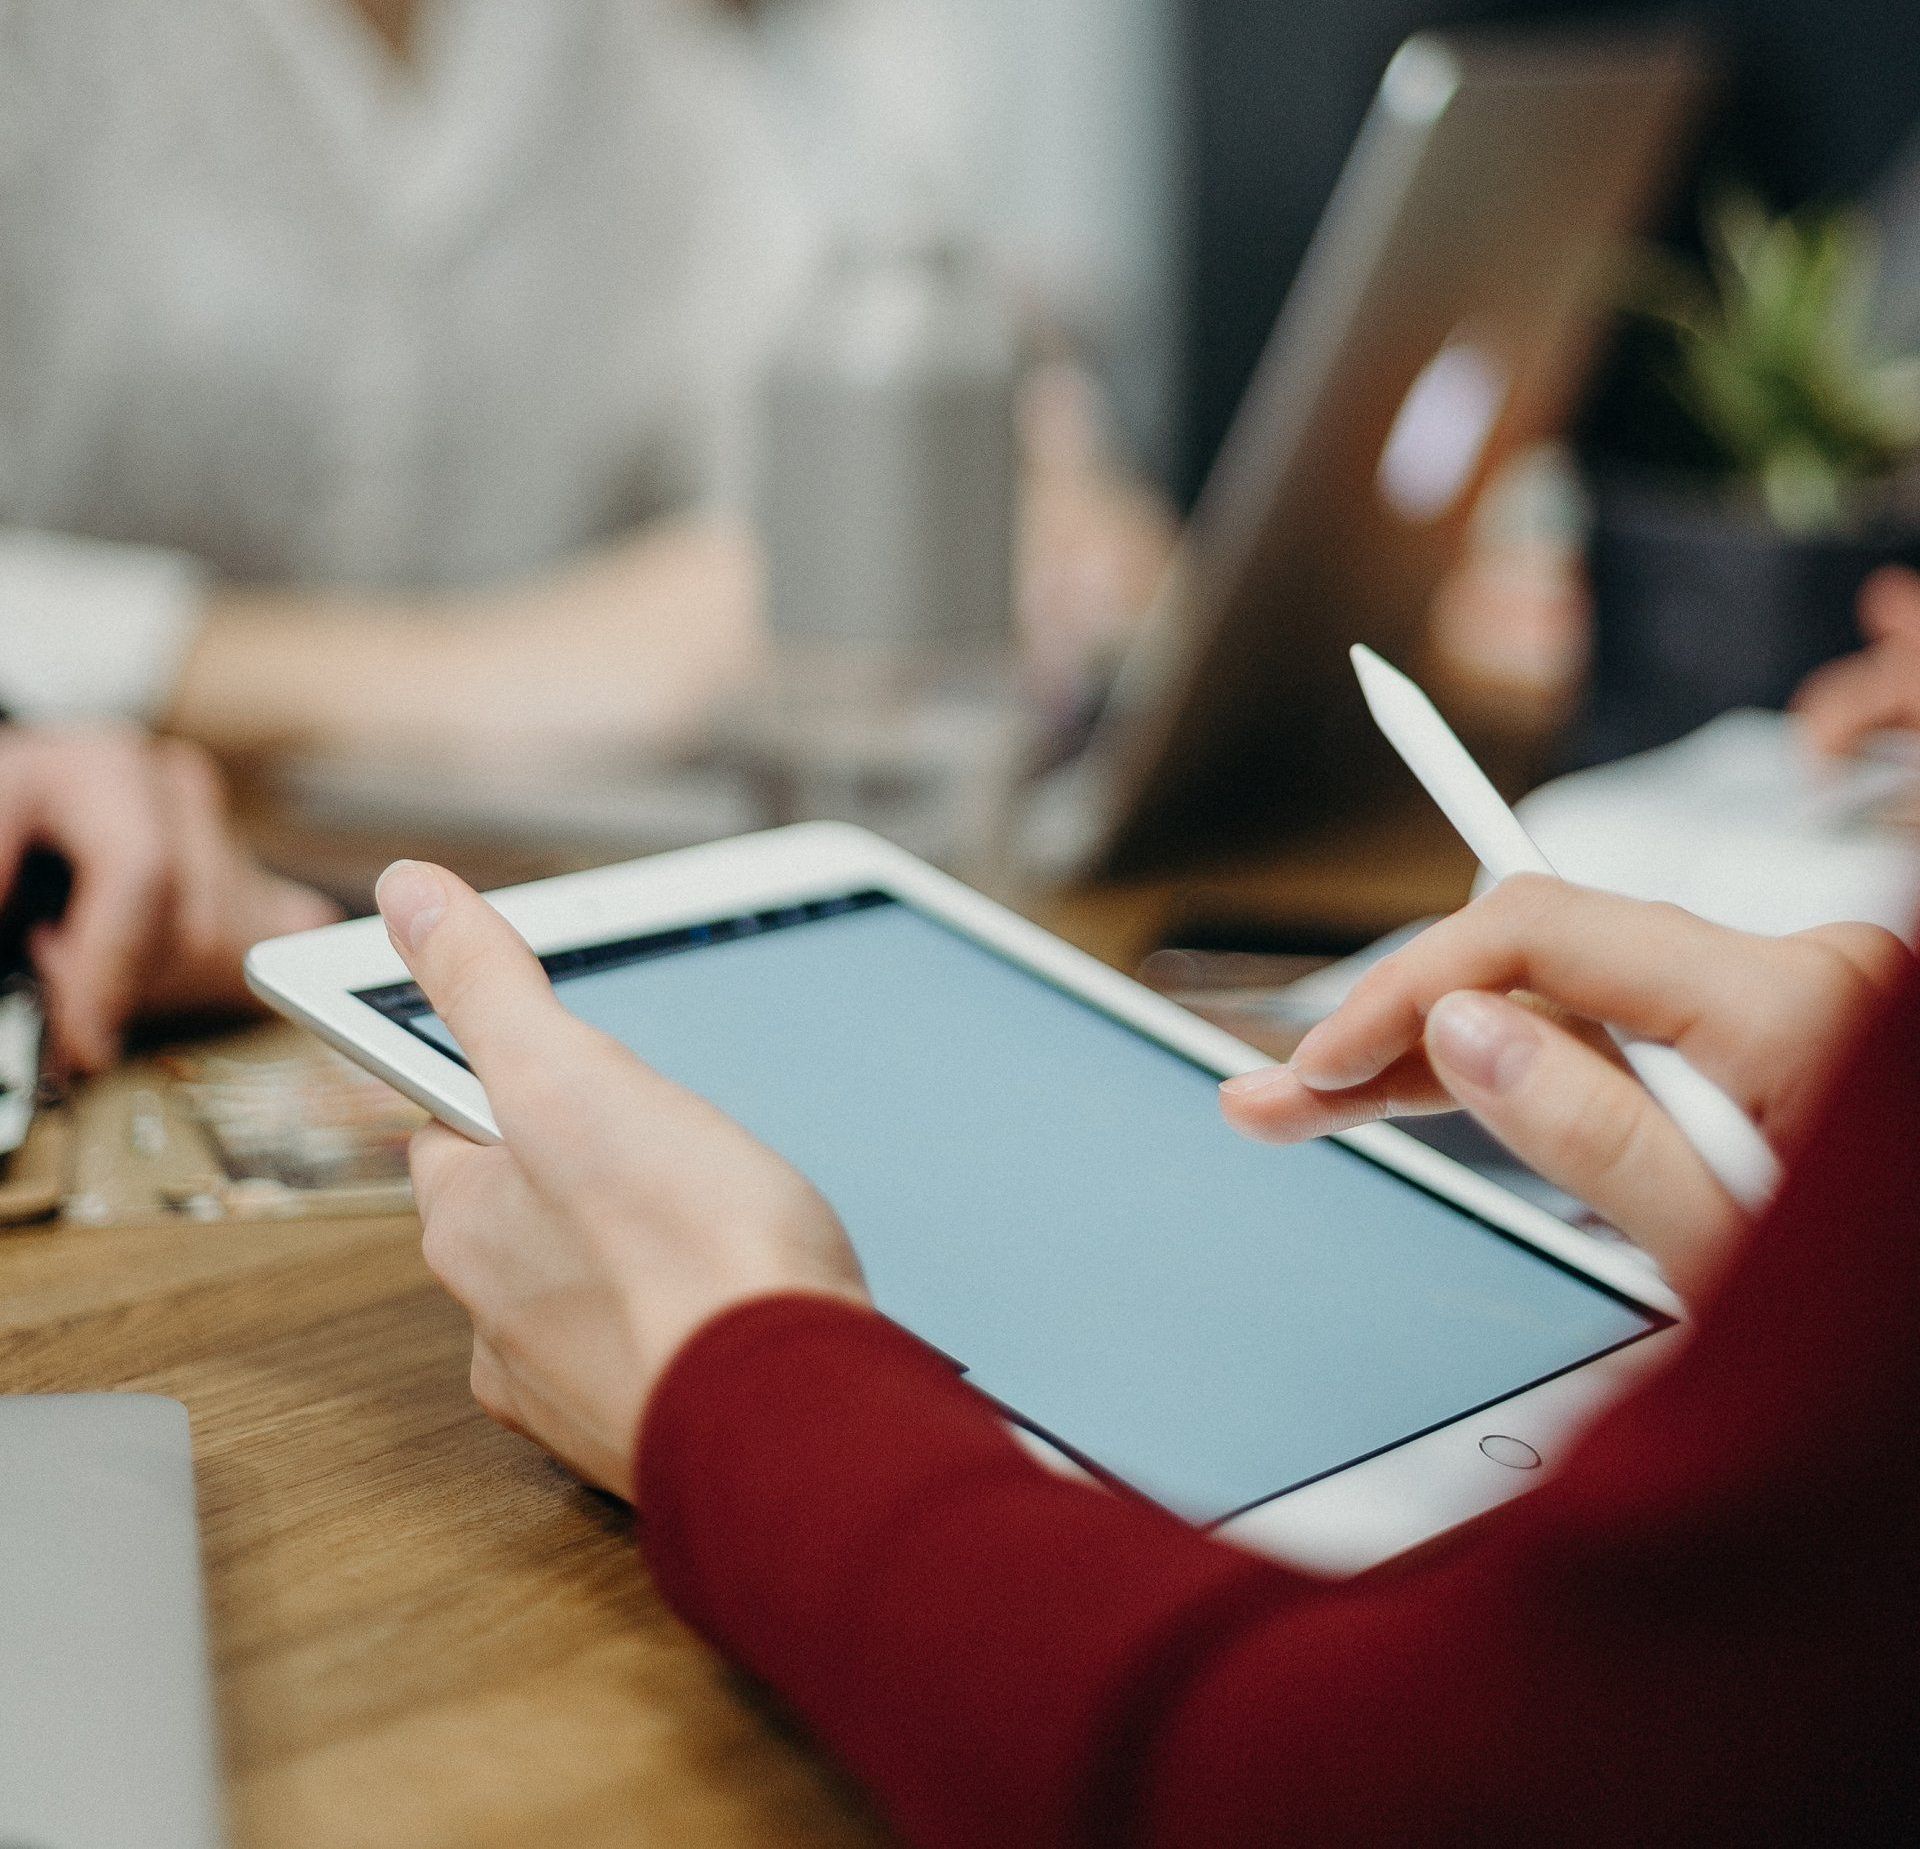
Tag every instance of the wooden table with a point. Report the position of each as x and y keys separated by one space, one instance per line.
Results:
x=424 y=1633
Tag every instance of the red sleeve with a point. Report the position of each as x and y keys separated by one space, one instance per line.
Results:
x=1705 y=1627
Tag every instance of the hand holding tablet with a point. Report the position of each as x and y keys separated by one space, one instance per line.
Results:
x=618 y=1215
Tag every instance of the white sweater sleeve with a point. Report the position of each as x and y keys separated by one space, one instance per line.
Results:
x=92 y=628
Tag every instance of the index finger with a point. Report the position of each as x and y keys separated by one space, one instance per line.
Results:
x=1655 y=970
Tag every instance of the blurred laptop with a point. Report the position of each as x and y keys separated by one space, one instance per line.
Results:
x=107 y=1733
x=1443 y=322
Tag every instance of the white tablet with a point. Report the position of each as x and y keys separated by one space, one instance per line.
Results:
x=1333 y=1351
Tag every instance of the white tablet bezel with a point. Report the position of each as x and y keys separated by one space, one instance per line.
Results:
x=1340 y=1523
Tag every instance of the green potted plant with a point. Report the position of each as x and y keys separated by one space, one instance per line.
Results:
x=1724 y=584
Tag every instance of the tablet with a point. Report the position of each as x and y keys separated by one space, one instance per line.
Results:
x=1332 y=1351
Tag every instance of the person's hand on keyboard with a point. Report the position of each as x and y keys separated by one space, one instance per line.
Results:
x=165 y=899
x=1497 y=1009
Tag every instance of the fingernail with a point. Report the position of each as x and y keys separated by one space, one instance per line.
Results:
x=411 y=900
x=1312 y=1066
x=1489 y=1043
x=1252 y=1086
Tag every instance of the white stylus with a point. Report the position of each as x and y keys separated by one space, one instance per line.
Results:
x=1722 y=1134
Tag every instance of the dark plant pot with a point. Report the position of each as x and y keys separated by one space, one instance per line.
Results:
x=1700 y=607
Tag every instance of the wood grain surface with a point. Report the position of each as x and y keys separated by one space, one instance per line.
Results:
x=424 y=1633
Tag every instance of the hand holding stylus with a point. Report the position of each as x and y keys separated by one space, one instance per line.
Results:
x=1439 y=1026
x=1721 y=1133
x=1498 y=1010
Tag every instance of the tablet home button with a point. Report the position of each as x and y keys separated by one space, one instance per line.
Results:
x=1515 y=1453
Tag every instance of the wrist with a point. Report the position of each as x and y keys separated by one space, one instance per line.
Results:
x=719 y=1345
x=668 y=1332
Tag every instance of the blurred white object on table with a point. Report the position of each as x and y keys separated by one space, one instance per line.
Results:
x=1731 y=822
x=1734 y=823
x=885 y=498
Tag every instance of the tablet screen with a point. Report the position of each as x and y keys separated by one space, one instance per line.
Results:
x=1053 y=1199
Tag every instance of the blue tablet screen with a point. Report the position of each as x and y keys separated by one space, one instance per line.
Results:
x=1052 y=1198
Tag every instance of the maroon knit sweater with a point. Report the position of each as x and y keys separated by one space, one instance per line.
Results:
x=1705 y=1628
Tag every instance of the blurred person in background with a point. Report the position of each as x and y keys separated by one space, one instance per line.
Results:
x=376 y=376
x=368 y=368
